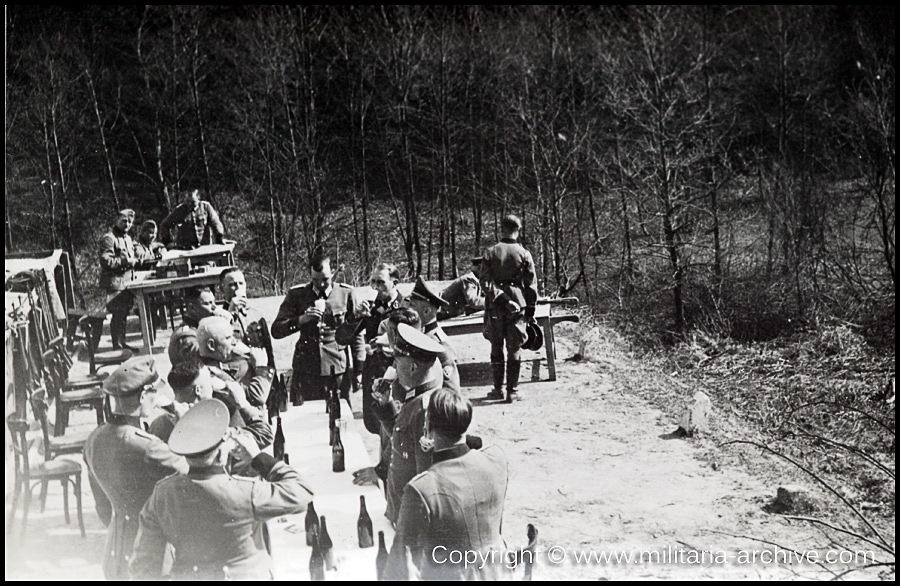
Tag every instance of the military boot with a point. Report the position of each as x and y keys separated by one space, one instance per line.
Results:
x=512 y=380
x=497 y=372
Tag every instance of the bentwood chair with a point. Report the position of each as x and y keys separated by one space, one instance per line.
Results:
x=29 y=474
x=70 y=391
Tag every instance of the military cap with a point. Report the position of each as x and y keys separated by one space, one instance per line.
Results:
x=133 y=376
x=417 y=344
x=423 y=291
x=534 y=336
x=127 y=213
x=201 y=429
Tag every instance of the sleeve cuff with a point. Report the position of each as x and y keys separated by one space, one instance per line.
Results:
x=263 y=463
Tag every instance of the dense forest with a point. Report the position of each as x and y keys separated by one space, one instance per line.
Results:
x=729 y=168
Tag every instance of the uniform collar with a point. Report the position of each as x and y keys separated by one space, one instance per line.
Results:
x=509 y=240
x=430 y=327
x=450 y=453
x=119 y=419
x=205 y=472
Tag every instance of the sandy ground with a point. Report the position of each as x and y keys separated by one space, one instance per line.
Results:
x=594 y=468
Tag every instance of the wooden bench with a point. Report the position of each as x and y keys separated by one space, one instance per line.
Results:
x=474 y=324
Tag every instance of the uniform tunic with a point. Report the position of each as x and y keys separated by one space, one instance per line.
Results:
x=455 y=506
x=216 y=522
x=124 y=463
x=193 y=227
x=317 y=351
x=507 y=274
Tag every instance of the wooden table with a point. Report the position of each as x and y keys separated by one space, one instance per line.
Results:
x=336 y=498
x=220 y=254
x=144 y=284
x=474 y=324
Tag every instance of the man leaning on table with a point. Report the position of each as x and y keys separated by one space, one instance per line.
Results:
x=192 y=224
x=215 y=522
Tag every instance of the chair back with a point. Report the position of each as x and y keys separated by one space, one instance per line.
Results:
x=40 y=406
x=18 y=426
x=54 y=372
x=88 y=328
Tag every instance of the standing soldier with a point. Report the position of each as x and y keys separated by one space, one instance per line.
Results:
x=510 y=293
x=315 y=310
x=124 y=462
x=117 y=261
x=215 y=521
x=424 y=301
x=250 y=326
x=384 y=280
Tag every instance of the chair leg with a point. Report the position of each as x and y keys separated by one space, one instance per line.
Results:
x=78 y=504
x=26 y=503
x=43 y=494
x=65 y=487
x=15 y=502
x=99 y=408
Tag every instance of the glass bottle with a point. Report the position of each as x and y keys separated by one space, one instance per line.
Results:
x=364 y=525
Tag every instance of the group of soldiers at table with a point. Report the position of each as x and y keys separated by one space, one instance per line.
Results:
x=179 y=473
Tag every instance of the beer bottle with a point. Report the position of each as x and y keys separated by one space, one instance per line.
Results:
x=312 y=525
x=326 y=545
x=337 y=452
x=382 y=557
x=316 y=564
x=364 y=525
x=278 y=444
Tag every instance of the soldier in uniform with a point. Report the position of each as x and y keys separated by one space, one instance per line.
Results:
x=510 y=293
x=233 y=360
x=454 y=506
x=214 y=521
x=124 y=462
x=117 y=261
x=463 y=295
x=384 y=280
x=427 y=303
x=315 y=311
x=192 y=381
x=419 y=374
x=193 y=223
x=249 y=325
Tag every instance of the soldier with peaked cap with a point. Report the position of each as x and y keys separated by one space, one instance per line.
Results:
x=419 y=374
x=454 y=506
x=510 y=293
x=215 y=522
x=315 y=311
x=427 y=303
x=124 y=462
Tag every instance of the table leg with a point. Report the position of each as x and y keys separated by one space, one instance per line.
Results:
x=550 y=344
x=145 y=321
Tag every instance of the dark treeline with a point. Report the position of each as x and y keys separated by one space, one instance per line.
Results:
x=728 y=167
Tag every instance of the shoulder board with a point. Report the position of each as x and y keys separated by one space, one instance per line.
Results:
x=418 y=476
x=344 y=285
x=300 y=286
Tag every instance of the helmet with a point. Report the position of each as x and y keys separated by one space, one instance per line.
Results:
x=534 y=336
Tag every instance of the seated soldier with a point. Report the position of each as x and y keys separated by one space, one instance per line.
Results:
x=223 y=354
x=192 y=382
x=214 y=522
